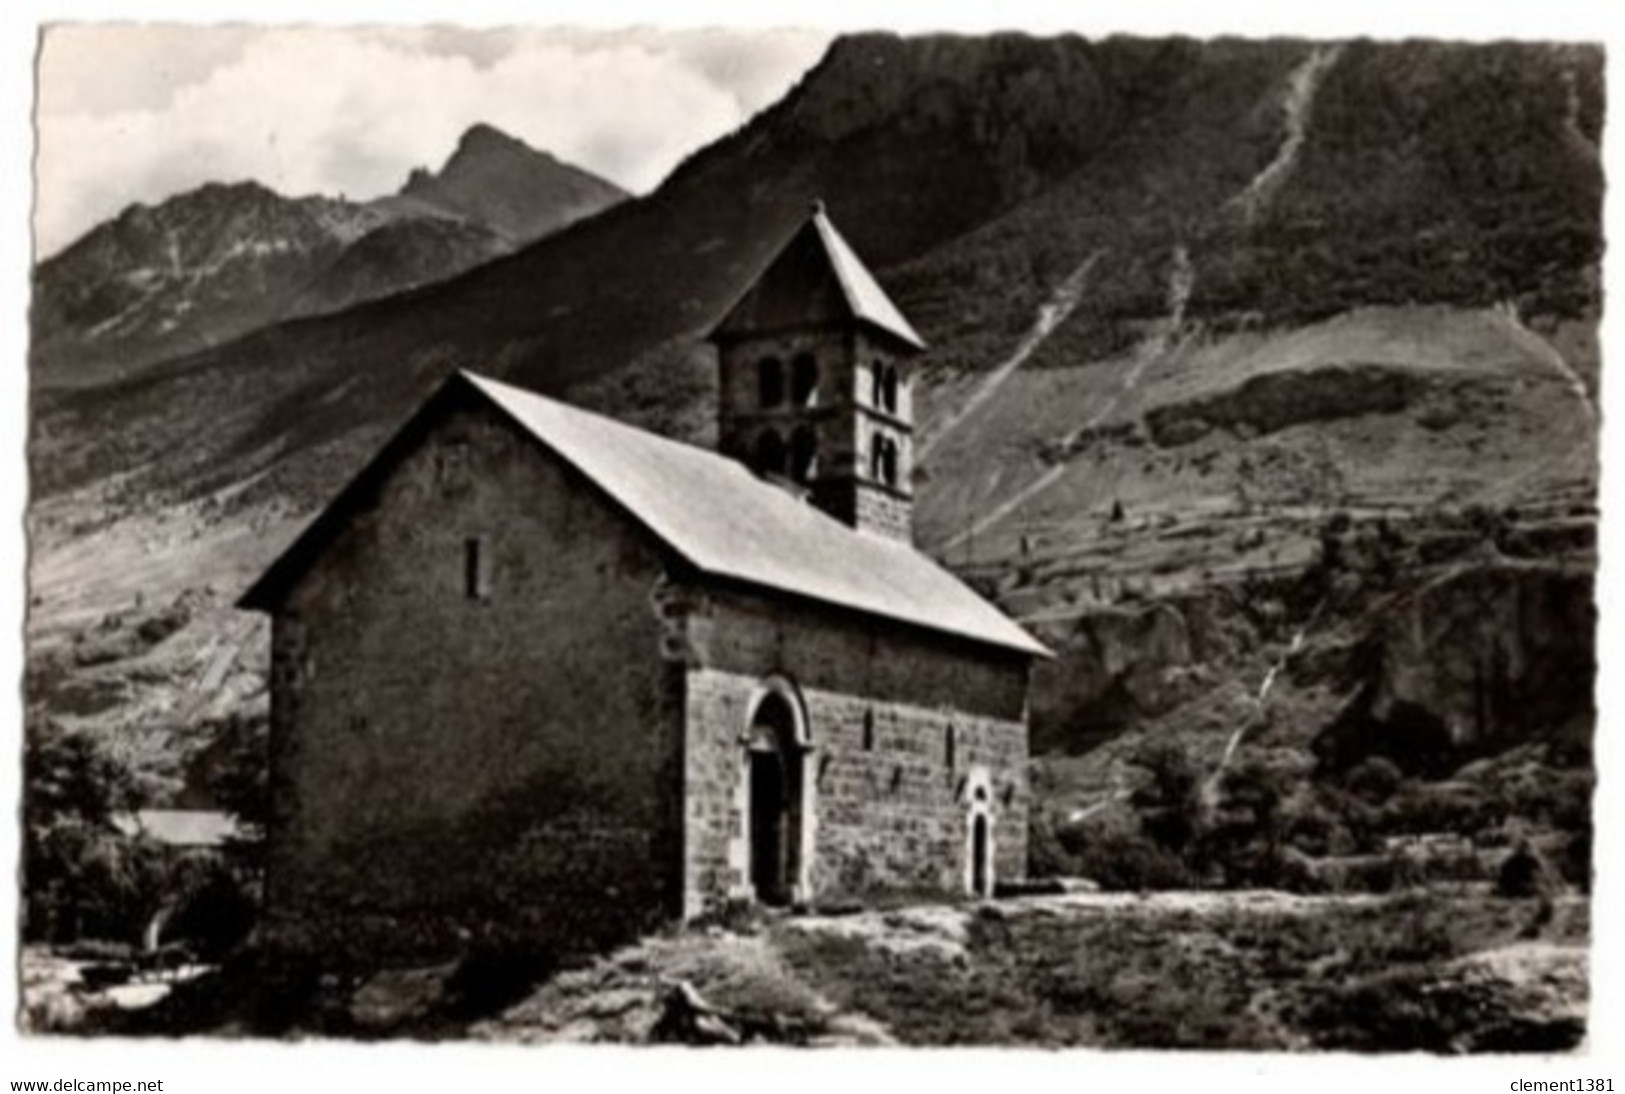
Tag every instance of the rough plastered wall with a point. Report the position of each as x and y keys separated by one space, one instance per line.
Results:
x=451 y=769
x=888 y=796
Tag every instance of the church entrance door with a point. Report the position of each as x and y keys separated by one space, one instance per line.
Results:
x=775 y=806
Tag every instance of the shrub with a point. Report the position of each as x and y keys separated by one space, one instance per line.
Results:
x=1524 y=873
x=1119 y=857
x=1442 y=807
x=1375 y=779
x=1574 y=864
x=1046 y=857
x=216 y=907
x=1170 y=804
x=1129 y=862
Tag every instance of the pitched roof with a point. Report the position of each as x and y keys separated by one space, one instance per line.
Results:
x=725 y=522
x=815 y=257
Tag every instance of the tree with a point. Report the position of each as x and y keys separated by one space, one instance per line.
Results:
x=1170 y=804
x=81 y=876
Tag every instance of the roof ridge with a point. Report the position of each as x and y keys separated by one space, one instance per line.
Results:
x=861 y=295
x=858 y=285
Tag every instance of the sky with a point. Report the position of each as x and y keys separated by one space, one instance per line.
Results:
x=131 y=113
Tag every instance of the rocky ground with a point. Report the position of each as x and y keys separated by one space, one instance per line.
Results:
x=1444 y=970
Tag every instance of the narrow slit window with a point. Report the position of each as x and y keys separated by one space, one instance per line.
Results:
x=949 y=746
x=868 y=731
x=476 y=569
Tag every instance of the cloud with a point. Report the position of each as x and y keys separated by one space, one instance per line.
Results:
x=139 y=113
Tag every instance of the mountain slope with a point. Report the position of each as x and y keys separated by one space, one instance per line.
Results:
x=911 y=143
x=205 y=267
x=986 y=174
x=397 y=255
x=194 y=270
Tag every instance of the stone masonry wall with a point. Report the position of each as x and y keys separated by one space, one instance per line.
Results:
x=889 y=796
x=449 y=768
x=882 y=513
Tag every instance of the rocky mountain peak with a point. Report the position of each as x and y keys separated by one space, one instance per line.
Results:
x=483 y=139
x=221 y=259
x=499 y=180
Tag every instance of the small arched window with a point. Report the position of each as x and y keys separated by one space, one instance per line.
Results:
x=770 y=381
x=883 y=458
x=803 y=379
x=803 y=453
x=769 y=454
x=877 y=383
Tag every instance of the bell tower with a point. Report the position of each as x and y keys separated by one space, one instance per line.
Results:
x=816 y=388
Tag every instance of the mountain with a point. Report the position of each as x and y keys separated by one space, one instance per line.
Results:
x=503 y=183
x=207 y=266
x=194 y=270
x=397 y=255
x=1240 y=351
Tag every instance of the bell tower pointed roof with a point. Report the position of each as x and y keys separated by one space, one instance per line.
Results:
x=815 y=280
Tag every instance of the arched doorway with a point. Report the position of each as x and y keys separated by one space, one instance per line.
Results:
x=979 y=852
x=777 y=802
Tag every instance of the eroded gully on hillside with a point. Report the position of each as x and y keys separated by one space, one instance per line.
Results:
x=1166 y=337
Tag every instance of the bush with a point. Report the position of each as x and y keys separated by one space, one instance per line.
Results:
x=1525 y=873
x=216 y=906
x=1375 y=779
x=88 y=882
x=1170 y=804
x=1126 y=862
x=1574 y=863
x=1326 y=820
x=1457 y=807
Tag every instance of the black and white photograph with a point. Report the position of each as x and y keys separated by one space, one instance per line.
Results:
x=776 y=534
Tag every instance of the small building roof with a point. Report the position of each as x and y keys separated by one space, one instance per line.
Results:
x=814 y=279
x=723 y=522
x=179 y=827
